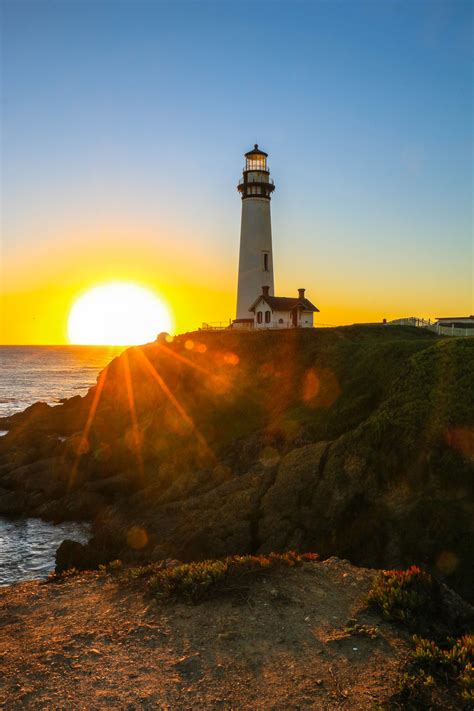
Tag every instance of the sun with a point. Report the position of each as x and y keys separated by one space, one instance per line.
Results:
x=117 y=314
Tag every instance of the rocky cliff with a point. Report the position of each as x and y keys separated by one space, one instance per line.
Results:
x=357 y=442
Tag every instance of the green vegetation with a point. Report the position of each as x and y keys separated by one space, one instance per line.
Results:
x=194 y=582
x=324 y=382
x=395 y=404
x=352 y=441
x=62 y=576
x=362 y=631
x=433 y=667
x=115 y=565
x=438 y=664
x=407 y=596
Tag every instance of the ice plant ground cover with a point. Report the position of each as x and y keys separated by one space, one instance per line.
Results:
x=440 y=660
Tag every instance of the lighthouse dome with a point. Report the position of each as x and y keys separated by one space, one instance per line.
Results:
x=256 y=151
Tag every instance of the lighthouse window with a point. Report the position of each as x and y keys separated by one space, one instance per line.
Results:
x=268 y=316
x=265 y=261
x=259 y=317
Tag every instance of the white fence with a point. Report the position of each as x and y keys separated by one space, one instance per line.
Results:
x=216 y=325
x=451 y=330
x=435 y=327
x=410 y=321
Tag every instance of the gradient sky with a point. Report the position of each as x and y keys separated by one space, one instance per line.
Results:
x=123 y=129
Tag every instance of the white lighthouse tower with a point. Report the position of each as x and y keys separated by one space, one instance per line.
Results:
x=256 y=256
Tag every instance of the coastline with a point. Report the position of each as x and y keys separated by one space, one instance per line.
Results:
x=223 y=455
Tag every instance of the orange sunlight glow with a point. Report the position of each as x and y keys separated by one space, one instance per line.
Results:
x=117 y=314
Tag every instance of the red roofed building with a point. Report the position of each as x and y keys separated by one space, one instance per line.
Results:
x=282 y=311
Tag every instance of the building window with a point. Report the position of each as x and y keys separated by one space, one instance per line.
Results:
x=259 y=317
x=268 y=316
x=265 y=261
x=280 y=320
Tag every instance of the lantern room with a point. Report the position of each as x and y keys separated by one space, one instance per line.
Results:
x=256 y=181
x=256 y=159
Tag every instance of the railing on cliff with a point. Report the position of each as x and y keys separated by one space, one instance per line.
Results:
x=216 y=325
x=434 y=327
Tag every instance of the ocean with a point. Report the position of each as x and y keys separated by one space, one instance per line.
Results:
x=30 y=374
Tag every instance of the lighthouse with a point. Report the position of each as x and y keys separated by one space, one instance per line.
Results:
x=256 y=256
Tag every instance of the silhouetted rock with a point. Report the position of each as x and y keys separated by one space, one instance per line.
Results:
x=12 y=503
x=353 y=441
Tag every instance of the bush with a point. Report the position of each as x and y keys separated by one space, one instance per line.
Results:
x=436 y=670
x=193 y=582
x=403 y=595
x=439 y=667
x=115 y=565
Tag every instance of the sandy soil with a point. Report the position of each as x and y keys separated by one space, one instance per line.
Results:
x=92 y=642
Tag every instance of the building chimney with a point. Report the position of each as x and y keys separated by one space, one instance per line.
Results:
x=301 y=293
x=265 y=290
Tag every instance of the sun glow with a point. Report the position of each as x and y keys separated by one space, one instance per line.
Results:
x=117 y=314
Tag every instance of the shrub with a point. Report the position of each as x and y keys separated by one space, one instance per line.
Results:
x=362 y=631
x=55 y=577
x=435 y=670
x=403 y=595
x=144 y=571
x=439 y=667
x=193 y=582
x=115 y=565
x=414 y=692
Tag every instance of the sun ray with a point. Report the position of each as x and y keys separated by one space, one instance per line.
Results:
x=136 y=436
x=184 y=360
x=175 y=402
x=83 y=444
x=215 y=378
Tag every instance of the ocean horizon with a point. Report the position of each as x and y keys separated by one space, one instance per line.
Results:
x=48 y=373
x=30 y=374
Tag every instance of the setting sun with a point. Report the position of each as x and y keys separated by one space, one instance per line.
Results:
x=117 y=314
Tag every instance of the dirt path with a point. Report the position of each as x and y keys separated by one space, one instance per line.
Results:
x=91 y=643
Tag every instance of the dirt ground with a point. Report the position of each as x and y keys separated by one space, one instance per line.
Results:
x=92 y=642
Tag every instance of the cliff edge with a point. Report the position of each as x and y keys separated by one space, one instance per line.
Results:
x=356 y=442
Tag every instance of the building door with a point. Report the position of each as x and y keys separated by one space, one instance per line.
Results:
x=295 y=317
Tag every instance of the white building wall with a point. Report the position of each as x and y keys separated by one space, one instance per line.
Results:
x=281 y=319
x=468 y=320
x=278 y=319
x=255 y=241
x=306 y=319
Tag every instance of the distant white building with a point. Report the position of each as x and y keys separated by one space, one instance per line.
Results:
x=455 y=321
x=282 y=311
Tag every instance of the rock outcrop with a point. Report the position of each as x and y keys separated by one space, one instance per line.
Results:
x=352 y=441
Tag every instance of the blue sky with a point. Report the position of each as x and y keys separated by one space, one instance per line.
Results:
x=142 y=111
